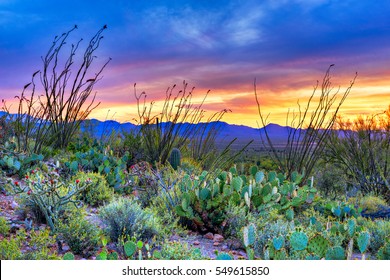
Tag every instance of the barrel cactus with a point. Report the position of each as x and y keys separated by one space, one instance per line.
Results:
x=175 y=158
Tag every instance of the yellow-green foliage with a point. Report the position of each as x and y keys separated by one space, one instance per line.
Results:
x=179 y=251
x=81 y=236
x=38 y=246
x=10 y=249
x=370 y=203
x=191 y=166
x=97 y=192
x=4 y=227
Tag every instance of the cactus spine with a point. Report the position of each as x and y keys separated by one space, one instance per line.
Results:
x=175 y=158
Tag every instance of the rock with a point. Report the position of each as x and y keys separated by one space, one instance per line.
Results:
x=224 y=248
x=234 y=244
x=174 y=237
x=216 y=244
x=218 y=238
x=14 y=205
x=209 y=235
x=65 y=248
x=196 y=242
x=14 y=228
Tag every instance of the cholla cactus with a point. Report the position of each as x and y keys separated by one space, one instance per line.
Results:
x=49 y=194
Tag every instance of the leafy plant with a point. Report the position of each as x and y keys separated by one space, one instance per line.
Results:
x=51 y=196
x=97 y=192
x=125 y=217
x=80 y=235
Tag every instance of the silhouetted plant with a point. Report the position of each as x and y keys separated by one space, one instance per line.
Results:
x=175 y=125
x=362 y=148
x=51 y=114
x=307 y=129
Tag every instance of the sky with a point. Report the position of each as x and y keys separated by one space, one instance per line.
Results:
x=221 y=46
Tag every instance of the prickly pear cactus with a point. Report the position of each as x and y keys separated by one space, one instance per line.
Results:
x=351 y=227
x=280 y=255
x=249 y=235
x=298 y=240
x=224 y=257
x=363 y=240
x=175 y=158
x=259 y=177
x=318 y=245
x=237 y=183
x=290 y=214
x=130 y=248
x=278 y=242
x=384 y=252
x=253 y=170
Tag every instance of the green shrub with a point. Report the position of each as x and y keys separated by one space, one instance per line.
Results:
x=81 y=236
x=4 y=227
x=10 y=249
x=380 y=232
x=236 y=219
x=269 y=231
x=39 y=245
x=97 y=191
x=179 y=251
x=125 y=218
x=372 y=203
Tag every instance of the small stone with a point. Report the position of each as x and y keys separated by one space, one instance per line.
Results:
x=224 y=248
x=234 y=244
x=174 y=237
x=218 y=238
x=216 y=244
x=209 y=235
x=14 y=205
x=196 y=242
x=65 y=248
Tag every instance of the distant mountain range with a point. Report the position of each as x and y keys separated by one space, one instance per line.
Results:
x=227 y=132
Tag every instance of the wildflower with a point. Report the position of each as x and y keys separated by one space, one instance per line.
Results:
x=29 y=192
x=26 y=177
x=16 y=183
x=77 y=181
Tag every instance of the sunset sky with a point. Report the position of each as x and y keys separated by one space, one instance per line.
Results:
x=223 y=46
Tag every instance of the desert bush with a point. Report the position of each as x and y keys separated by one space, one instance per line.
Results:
x=179 y=251
x=81 y=236
x=380 y=232
x=10 y=249
x=4 y=227
x=330 y=180
x=267 y=231
x=124 y=217
x=361 y=147
x=369 y=203
x=308 y=130
x=39 y=246
x=98 y=192
x=175 y=125
x=236 y=219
